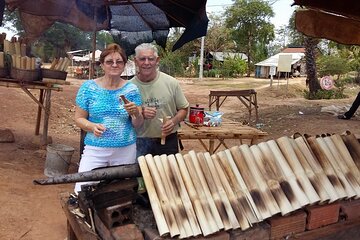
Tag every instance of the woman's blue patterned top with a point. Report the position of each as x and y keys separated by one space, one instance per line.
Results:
x=104 y=106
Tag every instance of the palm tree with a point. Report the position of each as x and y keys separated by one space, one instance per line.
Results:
x=311 y=79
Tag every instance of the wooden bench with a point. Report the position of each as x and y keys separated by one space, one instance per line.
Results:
x=247 y=97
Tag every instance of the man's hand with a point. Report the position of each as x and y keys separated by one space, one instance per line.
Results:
x=149 y=112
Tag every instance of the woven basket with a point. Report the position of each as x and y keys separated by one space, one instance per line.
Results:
x=24 y=75
x=55 y=74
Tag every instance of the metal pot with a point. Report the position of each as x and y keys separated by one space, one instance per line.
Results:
x=196 y=114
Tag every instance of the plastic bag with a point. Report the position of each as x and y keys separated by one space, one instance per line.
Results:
x=213 y=119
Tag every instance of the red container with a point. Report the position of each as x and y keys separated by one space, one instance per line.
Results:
x=196 y=114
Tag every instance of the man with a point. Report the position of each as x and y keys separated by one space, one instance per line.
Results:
x=162 y=99
x=355 y=105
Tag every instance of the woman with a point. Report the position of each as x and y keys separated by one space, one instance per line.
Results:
x=109 y=122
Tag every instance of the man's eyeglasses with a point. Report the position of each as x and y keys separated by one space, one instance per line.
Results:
x=111 y=62
x=150 y=59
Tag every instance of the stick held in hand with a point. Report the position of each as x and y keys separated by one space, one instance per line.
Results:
x=124 y=99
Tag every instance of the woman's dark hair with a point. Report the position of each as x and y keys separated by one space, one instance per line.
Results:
x=112 y=48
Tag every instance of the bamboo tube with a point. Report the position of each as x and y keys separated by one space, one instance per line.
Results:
x=53 y=64
x=288 y=186
x=174 y=199
x=125 y=101
x=208 y=209
x=236 y=204
x=17 y=48
x=1 y=59
x=175 y=175
x=341 y=175
x=33 y=60
x=342 y=166
x=17 y=61
x=289 y=174
x=28 y=63
x=206 y=190
x=273 y=184
x=59 y=64
x=256 y=197
x=13 y=61
x=23 y=49
x=354 y=147
x=12 y=48
x=164 y=200
x=341 y=147
x=315 y=181
x=22 y=62
x=154 y=200
x=67 y=64
x=6 y=46
x=217 y=189
x=268 y=197
x=239 y=187
x=318 y=171
x=326 y=166
x=292 y=159
x=200 y=213
x=62 y=66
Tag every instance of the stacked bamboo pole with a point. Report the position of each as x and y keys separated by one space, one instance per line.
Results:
x=200 y=194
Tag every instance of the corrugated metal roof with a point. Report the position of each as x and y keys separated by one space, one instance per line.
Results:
x=273 y=60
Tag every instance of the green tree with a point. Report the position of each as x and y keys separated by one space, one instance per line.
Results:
x=249 y=22
x=332 y=65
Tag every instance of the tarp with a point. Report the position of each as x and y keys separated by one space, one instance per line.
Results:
x=131 y=22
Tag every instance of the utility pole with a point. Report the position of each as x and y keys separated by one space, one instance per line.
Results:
x=201 y=62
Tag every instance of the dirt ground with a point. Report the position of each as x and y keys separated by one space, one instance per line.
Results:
x=29 y=211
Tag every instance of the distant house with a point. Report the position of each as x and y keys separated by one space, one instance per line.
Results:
x=220 y=56
x=262 y=69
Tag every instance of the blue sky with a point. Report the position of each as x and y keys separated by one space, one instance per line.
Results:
x=282 y=9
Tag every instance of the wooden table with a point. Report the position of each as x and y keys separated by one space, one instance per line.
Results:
x=227 y=130
x=44 y=101
x=246 y=97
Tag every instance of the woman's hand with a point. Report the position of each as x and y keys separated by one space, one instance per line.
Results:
x=132 y=109
x=97 y=129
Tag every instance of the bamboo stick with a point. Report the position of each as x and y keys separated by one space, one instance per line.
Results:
x=125 y=101
x=206 y=190
x=354 y=147
x=164 y=200
x=201 y=193
x=154 y=200
x=268 y=197
x=350 y=192
x=288 y=186
x=23 y=49
x=315 y=181
x=289 y=174
x=17 y=48
x=6 y=46
x=28 y=63
x=340 y=145
x=239 y=188
x=175 y=202
x=343 y=166
x=292 y=159
x=316 y=167
x=236 y=204
x=257 y=199
x=33 y=60
x=175 y=174
x=53 y=64
x=201 y=216
x=224 y=200
x=59 y=64
x=1 y=59
x=273 y=184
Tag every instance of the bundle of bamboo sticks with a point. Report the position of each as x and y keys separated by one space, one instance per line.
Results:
x=200 y=194
x=60 y=64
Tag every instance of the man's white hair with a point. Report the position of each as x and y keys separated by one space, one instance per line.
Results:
x=146 y=46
